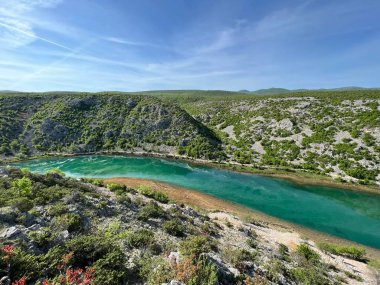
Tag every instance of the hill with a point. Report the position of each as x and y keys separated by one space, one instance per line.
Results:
x=334 y=133
x=83 y=123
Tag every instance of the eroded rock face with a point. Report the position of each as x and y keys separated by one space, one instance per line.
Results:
x=81 y=103
x=54 y=130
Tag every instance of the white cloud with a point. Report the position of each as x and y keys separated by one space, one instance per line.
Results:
x=16 y=27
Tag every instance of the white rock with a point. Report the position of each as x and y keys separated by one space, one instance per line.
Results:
x=11 y=232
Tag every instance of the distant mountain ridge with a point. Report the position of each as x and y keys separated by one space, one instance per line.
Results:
x=274 y=90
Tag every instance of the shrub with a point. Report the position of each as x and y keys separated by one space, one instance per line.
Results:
x=111 y=269
x=56 y=171
x=69 y=221
x=207 y=228
x=23 y=204
x=244 y=255
x=88 y=249
x=42 y=238
x=151 y=210
x=205 y=274
x=284 y=252
x=156 y=195
x=116 y=187
x=58 y=209
x=308 y=276
x=310 y=255
x=195 y=245
x=353 y=252
x=23 y=186
x=94 y=181
x=140 y=238
x=155 y=270
x=174 y=227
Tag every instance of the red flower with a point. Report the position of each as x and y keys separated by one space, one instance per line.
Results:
x=20 y=282
x=8 y=249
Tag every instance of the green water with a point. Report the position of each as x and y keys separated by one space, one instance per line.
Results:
x=351 y=215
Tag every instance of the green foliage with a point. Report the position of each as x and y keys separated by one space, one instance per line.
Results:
x=195 y=245
x=310 y=255
x=69 y=221
x=154 y=194
x=156 y=270
x=43 y=237
x=58 y=209
x=111 y=269
x=152 y=210
x=206 y=274
x=174 y=227
x=114 y=187
x=56 y=171
x=357 y=253
x=23 y=186
x=139 y=238
x=308 y=276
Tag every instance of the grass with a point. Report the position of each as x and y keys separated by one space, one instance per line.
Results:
x=354 y=252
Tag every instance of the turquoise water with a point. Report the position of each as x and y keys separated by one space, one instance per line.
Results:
x=351 y=215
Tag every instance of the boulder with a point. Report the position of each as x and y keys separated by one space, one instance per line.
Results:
x=8 y=215
x=13 y=233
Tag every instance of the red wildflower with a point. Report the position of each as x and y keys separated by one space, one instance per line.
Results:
x=20 y=282
x=8 y=249
x=88 y=276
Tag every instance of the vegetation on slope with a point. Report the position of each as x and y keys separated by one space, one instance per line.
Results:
x=58 y=230
x=333 y=133
x=75 y=123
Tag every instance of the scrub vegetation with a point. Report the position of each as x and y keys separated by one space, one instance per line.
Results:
x=333 y=133
x=58 y=230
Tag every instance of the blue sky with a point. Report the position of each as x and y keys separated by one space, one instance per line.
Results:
x=134 y=45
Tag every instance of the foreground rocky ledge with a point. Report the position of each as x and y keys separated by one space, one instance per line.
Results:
x=135 y=235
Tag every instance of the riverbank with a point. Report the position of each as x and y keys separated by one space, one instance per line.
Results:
x=277 y=228
x=297 y=176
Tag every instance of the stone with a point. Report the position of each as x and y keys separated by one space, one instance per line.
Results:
x=8 y=215
x=13 y=233
x=5 y=280
x=34 y=227
x=174 y=257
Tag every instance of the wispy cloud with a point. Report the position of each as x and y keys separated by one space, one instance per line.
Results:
x=16 y=29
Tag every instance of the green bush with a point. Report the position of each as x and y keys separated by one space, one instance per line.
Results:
x=139 y=238
x=116 y=187
x=56 y=171
x=87 y=249
x=152 y=210
x=156 y=195
x=206 y=274
x=43 y=237
x=195 y=245
x=174 y=227
x=23 y=186
x=309 y=254
x=58 y=209
x=23 y=204
x=111 y=269
x=353 y=252
x=308 y=276
x=69 y=221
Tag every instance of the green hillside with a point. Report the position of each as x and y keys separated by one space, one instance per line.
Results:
x=334 y=132
x=82 y=123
